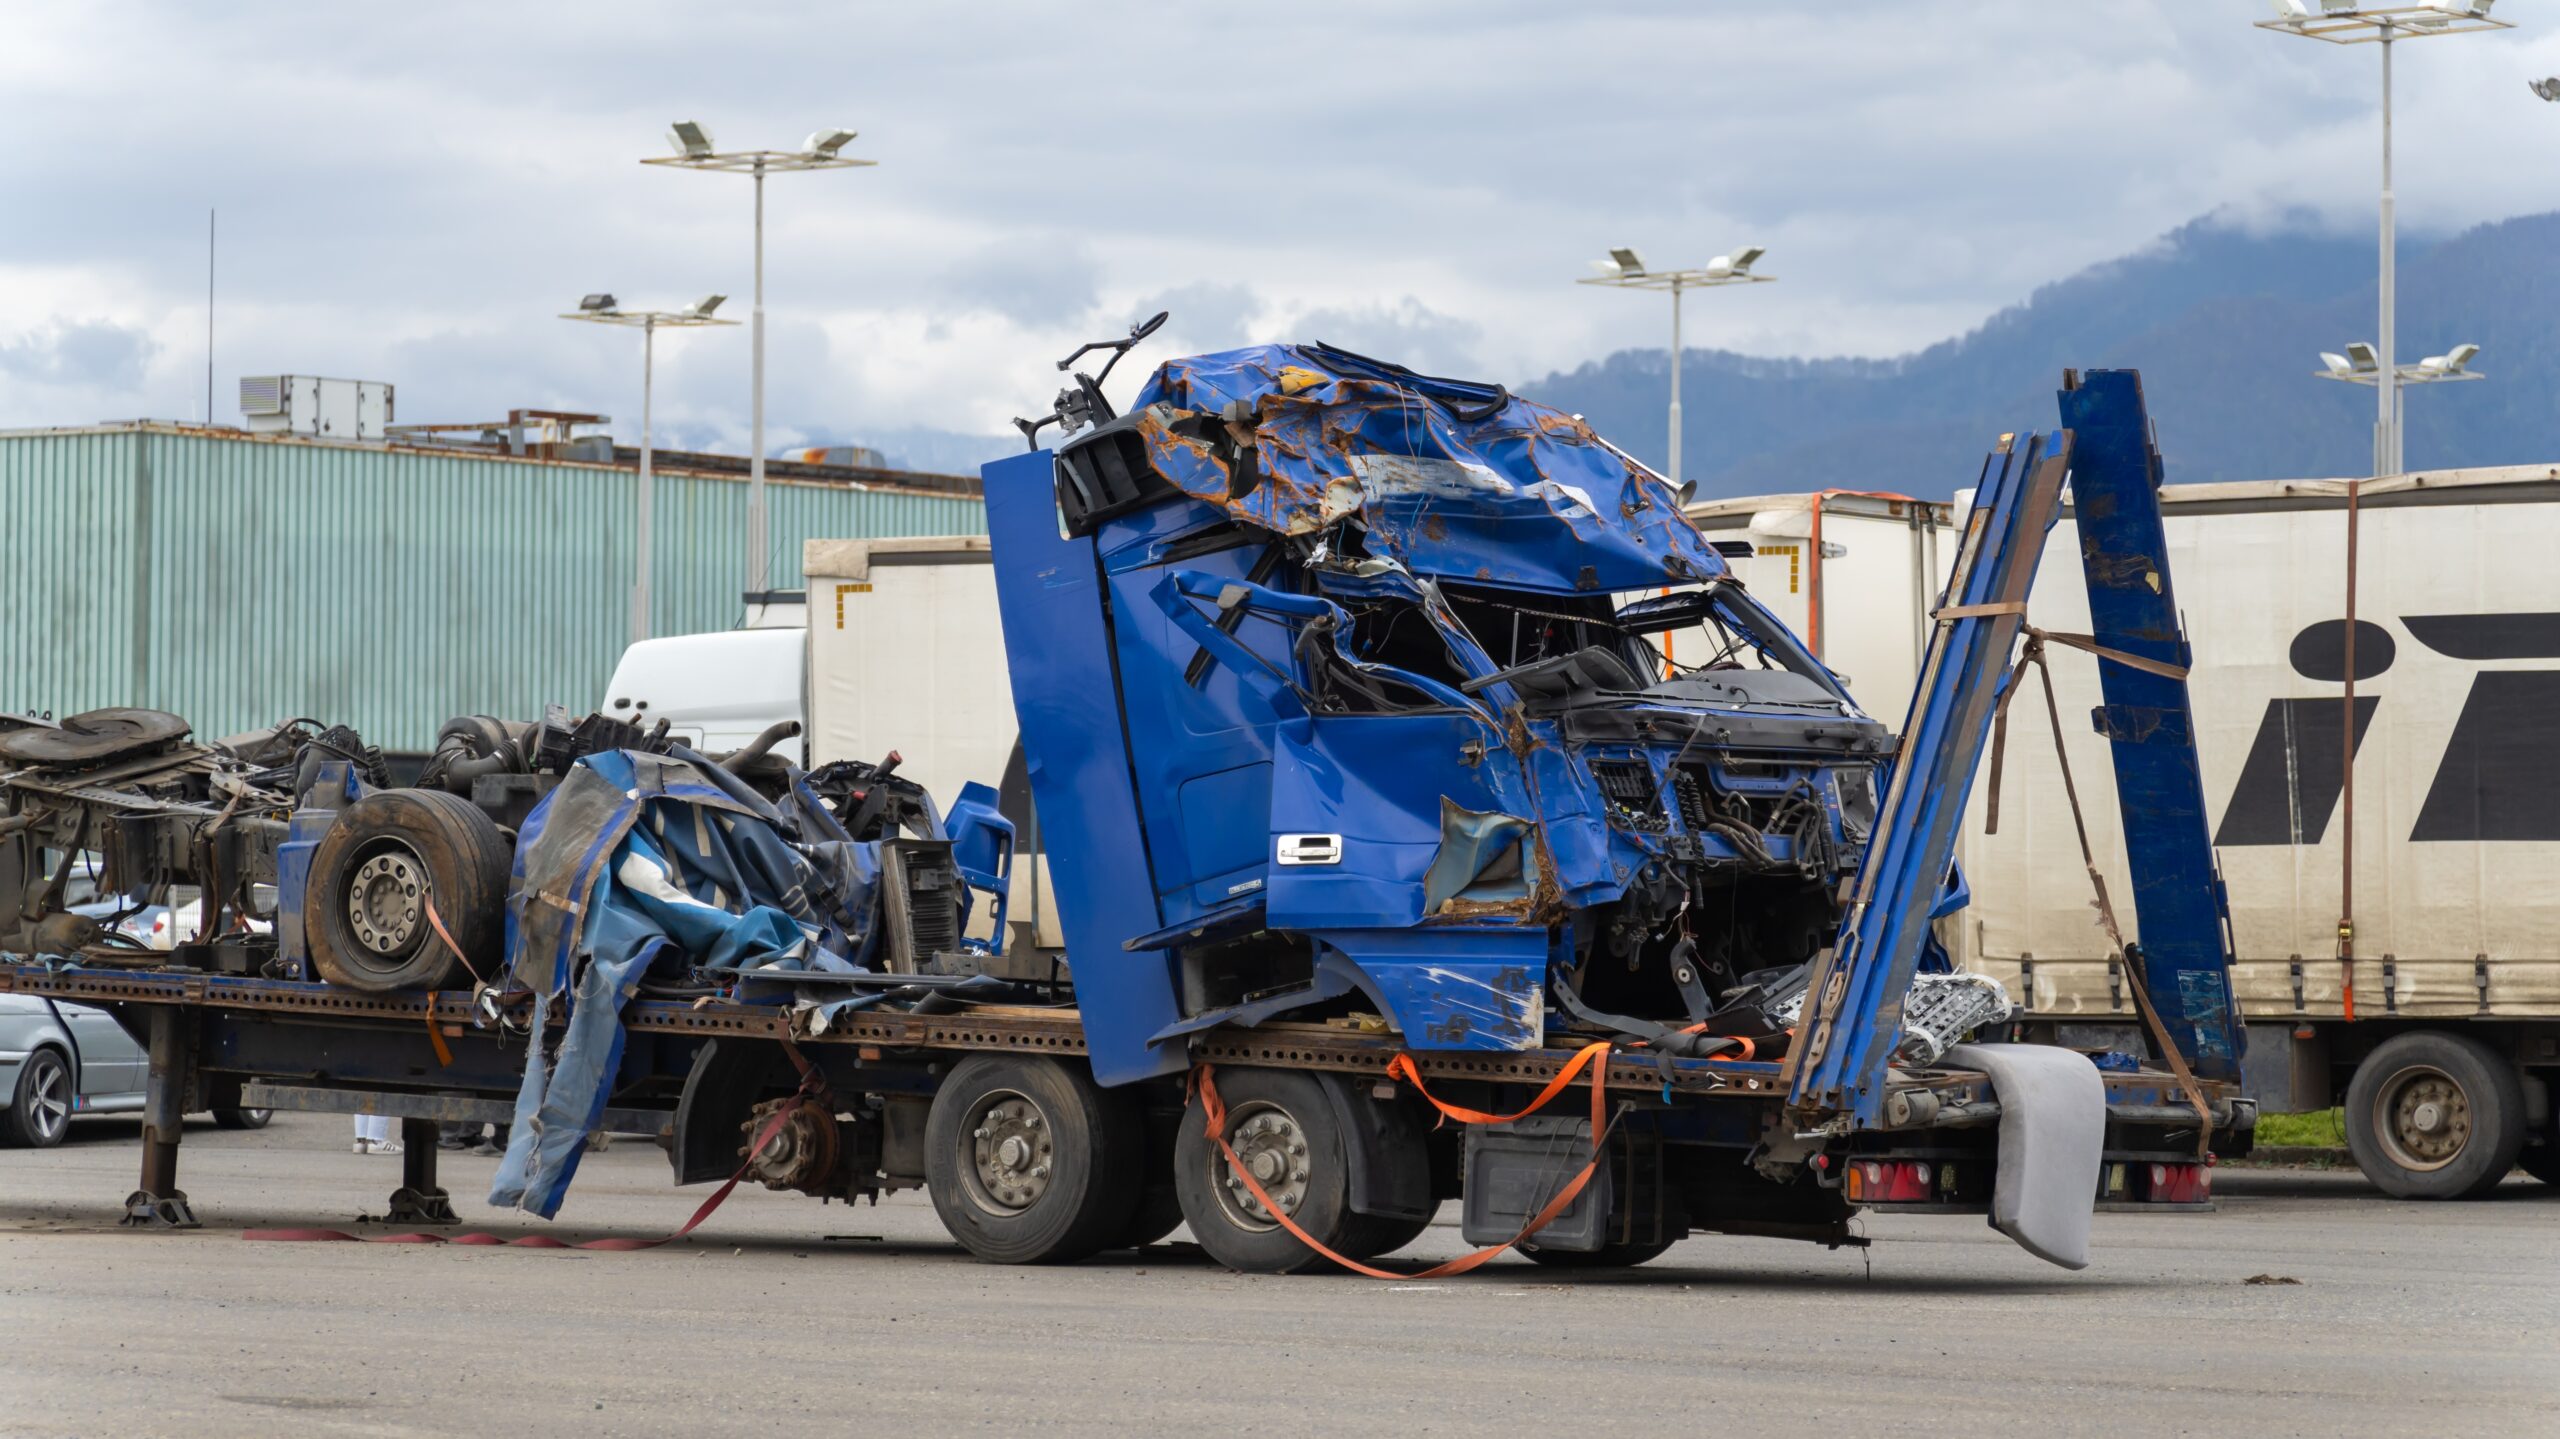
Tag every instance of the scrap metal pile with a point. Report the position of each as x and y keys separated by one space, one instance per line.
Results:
x=557 y=868
x=115 y=810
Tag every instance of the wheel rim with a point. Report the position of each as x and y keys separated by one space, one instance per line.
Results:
x=1012 y=1152
x=1272 y=1146
x=49 y=1098
x=386 y=901
x=2422 y=1117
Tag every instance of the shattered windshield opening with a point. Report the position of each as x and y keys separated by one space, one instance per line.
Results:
x=1697 y=642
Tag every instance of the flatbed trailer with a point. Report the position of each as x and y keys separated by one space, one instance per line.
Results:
x=297 y=1046
x=1372 y=806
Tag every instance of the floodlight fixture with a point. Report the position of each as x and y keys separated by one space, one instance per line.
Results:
x=1737 y=263
x=2453 y=364
x=703 y=307
x=2347 y=22
x=2362 y=365
x=826 y=142
x=597 y=304
x=690 y=139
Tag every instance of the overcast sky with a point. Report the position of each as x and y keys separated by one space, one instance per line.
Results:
x=412 y=193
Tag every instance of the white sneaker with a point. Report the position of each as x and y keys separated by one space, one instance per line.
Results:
x=364 y=1146
x=386 y=1146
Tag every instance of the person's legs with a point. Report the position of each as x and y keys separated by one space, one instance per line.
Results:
x=373 y=1135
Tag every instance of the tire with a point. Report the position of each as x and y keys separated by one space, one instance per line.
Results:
x=1374 y=1236
x=1158 y=1214
x=1289 y=1117
x=2433 y=1115
x=371 y=875
x=1607 y=1256
x=40 y=1108
x=237 y=1118
x=2542 y=1161
x=1028 y=1161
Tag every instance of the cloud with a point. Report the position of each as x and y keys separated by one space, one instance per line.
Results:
x=400 y=200
x=1204 y=316
x=1409 y=333
x=88 y=354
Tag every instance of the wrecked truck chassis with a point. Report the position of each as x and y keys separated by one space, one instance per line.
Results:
x=289 y=1045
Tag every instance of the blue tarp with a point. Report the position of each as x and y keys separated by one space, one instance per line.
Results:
x=1454 y=480
x=639 y=862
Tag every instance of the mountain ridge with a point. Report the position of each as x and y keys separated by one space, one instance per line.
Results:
x=2226 y=322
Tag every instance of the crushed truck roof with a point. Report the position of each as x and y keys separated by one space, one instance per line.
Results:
x=1452 y=479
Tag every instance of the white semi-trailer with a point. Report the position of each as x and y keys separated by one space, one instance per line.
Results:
x=2446 y=1054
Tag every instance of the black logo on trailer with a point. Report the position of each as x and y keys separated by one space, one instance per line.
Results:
x=2499 y=778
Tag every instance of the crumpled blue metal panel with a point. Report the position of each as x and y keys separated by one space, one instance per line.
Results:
x=2182 y=908
x=1853 y=1010
x=638 y=861
x=1454 y=480
x=1451 y=987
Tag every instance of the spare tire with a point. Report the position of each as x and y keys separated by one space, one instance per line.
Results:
x=374 y=875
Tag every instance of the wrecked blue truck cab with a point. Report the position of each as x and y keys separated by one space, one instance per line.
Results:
x=1393 y=727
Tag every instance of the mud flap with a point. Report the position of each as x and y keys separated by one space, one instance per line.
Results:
x=2053 y=1131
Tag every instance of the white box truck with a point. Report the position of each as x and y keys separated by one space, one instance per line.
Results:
x=2446 y=1059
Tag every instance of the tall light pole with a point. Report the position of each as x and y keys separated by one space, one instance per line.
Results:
x=2362 y=365
x=694 y=151
x=602 y=310
x=2345 y=22
x=1625 y=270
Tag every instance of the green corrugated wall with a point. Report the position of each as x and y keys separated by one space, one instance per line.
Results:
x=239 y=581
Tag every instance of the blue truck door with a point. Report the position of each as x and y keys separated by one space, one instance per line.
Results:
x=1199 y=737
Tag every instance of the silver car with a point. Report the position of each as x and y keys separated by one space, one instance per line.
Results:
x=59 y=1060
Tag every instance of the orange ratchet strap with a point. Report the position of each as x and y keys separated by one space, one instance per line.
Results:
x=1595 y=1056
x=1402 y=1067
x=435 y=1036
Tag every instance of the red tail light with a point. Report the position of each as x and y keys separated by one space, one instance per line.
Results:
x=2176 y=1183
x=1890 y=1181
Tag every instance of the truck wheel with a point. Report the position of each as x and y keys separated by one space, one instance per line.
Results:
x=1607 y=1256
x=1031 y=1162
x=373 y=875
x=236 y=1117
x=40 y=1109
x=2433 y=1115
x=1282 y=1126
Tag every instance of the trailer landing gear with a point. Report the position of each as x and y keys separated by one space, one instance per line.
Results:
x=419 y=1199
x=160 y=1203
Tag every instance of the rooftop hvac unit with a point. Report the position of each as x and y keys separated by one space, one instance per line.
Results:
x=309 y=405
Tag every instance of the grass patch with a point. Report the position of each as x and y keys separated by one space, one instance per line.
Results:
x=2321 y=1129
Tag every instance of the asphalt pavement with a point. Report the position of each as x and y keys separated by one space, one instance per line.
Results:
x=782 y=1315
